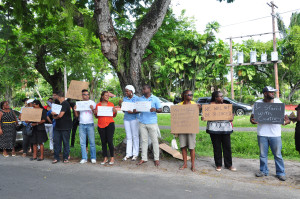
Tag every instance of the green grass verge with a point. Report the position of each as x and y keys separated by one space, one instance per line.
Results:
x=244 y=144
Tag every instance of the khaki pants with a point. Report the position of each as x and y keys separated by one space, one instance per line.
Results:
x=151 y=131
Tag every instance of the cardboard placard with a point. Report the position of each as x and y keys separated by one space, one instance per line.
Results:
x=75 y=88
x=31 y=114
x=269 y=113
x=185 y=119
x=213 y=112
x=173 y=152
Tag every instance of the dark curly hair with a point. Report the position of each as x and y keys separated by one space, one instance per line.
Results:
x=2 y=104
x=214 y=95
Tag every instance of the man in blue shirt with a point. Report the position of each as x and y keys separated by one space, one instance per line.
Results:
x=148 y=125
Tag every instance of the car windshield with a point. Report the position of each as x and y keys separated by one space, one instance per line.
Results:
x=233 y=100
x=163 y=100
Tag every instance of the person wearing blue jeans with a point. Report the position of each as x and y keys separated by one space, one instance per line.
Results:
x=86 y=126
x=269 y=135
x=63 y=126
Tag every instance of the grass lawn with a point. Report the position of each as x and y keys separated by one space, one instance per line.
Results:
x=164 y=120
x=244 y=144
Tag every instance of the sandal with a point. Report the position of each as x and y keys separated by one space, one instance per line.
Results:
x=66 y=161
x=55 y=161
x=5 y=155
x=40 y=159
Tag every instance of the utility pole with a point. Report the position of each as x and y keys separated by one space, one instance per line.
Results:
x=272 y=5
x=65 y=81
x=231 y=70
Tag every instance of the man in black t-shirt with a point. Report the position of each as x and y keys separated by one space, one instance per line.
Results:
x=62 y=130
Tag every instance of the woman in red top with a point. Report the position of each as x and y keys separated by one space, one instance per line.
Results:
x=106 y=128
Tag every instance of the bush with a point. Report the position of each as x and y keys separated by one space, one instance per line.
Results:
x=115 y=100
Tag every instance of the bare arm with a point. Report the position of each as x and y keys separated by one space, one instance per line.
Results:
x=1 y=132
x=252 y=119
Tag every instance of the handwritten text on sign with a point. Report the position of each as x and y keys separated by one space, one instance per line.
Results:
x=213 y=112
x=269 y=113
x=185 y=119
x=31 y=114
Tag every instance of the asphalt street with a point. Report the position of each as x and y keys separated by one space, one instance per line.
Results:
x=21 y=178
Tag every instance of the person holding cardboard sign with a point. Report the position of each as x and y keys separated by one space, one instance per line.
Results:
x=8 y=122
x=187 y=140
x=39 y=135
x=220 y=131
x=269 y=135
x=131 y=125
x=106 y=128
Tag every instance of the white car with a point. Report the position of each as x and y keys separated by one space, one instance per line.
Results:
x=165 y=104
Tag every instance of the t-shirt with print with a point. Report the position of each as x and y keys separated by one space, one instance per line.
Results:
x=87 y=117
x=268 y=130
x=65 y=122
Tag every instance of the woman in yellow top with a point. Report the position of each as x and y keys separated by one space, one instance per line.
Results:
x=187 y=140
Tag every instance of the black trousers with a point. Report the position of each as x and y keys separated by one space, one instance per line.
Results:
x=74 y=129
x=222 y=142
x=107 y=136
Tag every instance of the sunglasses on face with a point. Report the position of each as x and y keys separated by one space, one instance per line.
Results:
x=190 y=95
x=85 y=94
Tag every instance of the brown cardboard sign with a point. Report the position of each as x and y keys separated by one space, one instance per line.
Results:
x=212 y=112
x=185 y=119
x=75 y=88
x=31 y=114
x=173 y=152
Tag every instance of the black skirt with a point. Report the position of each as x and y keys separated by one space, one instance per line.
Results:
x=38 y=136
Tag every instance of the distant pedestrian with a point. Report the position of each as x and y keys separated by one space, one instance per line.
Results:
x=106 y=128
x=8 y=123
x=131 y=125
x=269 y=135
x=39 y=135
x=62 y=129
x=86 y=128
x=219 y=132
x=187 y=140
x=148 y=125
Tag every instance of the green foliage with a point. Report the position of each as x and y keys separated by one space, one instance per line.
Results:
x=115 y=100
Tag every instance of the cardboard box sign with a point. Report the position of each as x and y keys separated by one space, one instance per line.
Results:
x=75 y=88
x=213 y=112
x=185 y=119
x=173 y=152
x=269 y=113
x=31 y=114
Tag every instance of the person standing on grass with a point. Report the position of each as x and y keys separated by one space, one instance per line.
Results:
x=270 y=135
x=131 y=125
x=26 y=139
x=8 y=123
x=86 y=128
x=106 y=128
x=148 y=125
x=187 y=140
x=39 y=135
x=297 y=129
x=63 y=126
x=220 y=136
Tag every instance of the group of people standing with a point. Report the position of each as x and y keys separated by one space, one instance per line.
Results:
x=139 y=127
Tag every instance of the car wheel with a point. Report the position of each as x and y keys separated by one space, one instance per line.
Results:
x=239 y=112
x=166 y=109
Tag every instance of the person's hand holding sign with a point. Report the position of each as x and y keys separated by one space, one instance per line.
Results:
x=153 y=110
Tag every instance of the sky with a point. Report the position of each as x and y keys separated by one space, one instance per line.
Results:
x=205 y=11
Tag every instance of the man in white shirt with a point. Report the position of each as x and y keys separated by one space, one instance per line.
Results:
x=270 y=135
x=87 y=128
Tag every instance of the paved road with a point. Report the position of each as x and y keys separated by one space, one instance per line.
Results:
x=20 y=178
x=239 y=129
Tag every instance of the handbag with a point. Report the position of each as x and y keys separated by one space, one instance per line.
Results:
x=28 y=130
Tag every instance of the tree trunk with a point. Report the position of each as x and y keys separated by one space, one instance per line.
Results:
x=293 y=90
x=55 y=80
x=126 y=56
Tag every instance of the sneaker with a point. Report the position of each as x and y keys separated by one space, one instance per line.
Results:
x=82 y=161
x=281 y=178
x=218 y=169
x=260 y=174
x=125 y=158
x=134 y=158
x=93 y=161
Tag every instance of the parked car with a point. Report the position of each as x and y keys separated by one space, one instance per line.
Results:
x=165 y=104
x=238 y=108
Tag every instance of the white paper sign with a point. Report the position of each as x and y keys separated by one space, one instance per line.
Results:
x=105 y=111
x=143 y=106
x=83 y=106
x=127 y=106
x=56 y=108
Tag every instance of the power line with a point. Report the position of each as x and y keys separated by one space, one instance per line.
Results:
x=256 y=19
